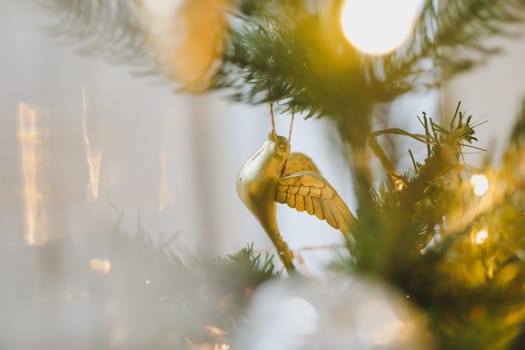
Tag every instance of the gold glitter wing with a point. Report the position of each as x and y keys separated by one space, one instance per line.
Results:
x=299 y=162
x=309 y=191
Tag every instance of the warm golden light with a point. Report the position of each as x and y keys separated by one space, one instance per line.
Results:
x=30 y=142
x=165 y=196
x=480 y=184
x=100 y=265
x=377 y=27
x=481 y=236
x=93 y=158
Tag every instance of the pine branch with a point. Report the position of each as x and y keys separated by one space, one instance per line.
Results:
x=423 y=240
x=305 y=61
x=453 y=39
x=106 y=29
x=289 y=52
x=518 y=133
x=145 y=291
x=290 y=59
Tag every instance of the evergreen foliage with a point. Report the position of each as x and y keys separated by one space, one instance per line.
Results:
x=420 y=231
x=106 y=29
x=164 y=303
x=423 y=239
x=286 y=51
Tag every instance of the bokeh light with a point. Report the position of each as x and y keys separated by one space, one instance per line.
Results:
x=100 y=265
x=481 y=236
x=480 y=184
x=377 y=27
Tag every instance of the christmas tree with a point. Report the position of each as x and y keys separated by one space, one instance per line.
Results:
x=433 y=256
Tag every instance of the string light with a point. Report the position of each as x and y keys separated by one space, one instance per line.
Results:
x=481 y=236
x=480 y=183
x=378 y=27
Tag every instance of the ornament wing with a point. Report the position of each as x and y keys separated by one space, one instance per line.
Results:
x=297 y=162
x=309 y=191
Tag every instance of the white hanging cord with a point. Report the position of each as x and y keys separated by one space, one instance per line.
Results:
x=291 y=127
x=272 y=117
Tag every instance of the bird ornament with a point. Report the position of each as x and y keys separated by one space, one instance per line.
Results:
x=273 y=175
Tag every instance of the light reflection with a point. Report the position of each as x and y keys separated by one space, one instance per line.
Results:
x=93 y=158
x=100 y=265
x=215 y=331
x=206 y=346
x=30 y=142
x=165 y=195
x=480 y=184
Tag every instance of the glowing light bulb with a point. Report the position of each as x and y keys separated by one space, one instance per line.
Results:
x=377 y=27
x=480 y=183
x=481 y=236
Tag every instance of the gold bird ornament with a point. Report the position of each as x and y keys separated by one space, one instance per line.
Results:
x=272 y=175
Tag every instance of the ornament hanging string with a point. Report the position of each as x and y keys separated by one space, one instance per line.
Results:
x=272 y=117
x=291 y=127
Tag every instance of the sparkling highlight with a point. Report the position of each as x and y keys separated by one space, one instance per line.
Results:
x=480 y=184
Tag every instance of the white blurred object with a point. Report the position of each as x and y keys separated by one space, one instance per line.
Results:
x=187 y=38
x=336 y=314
